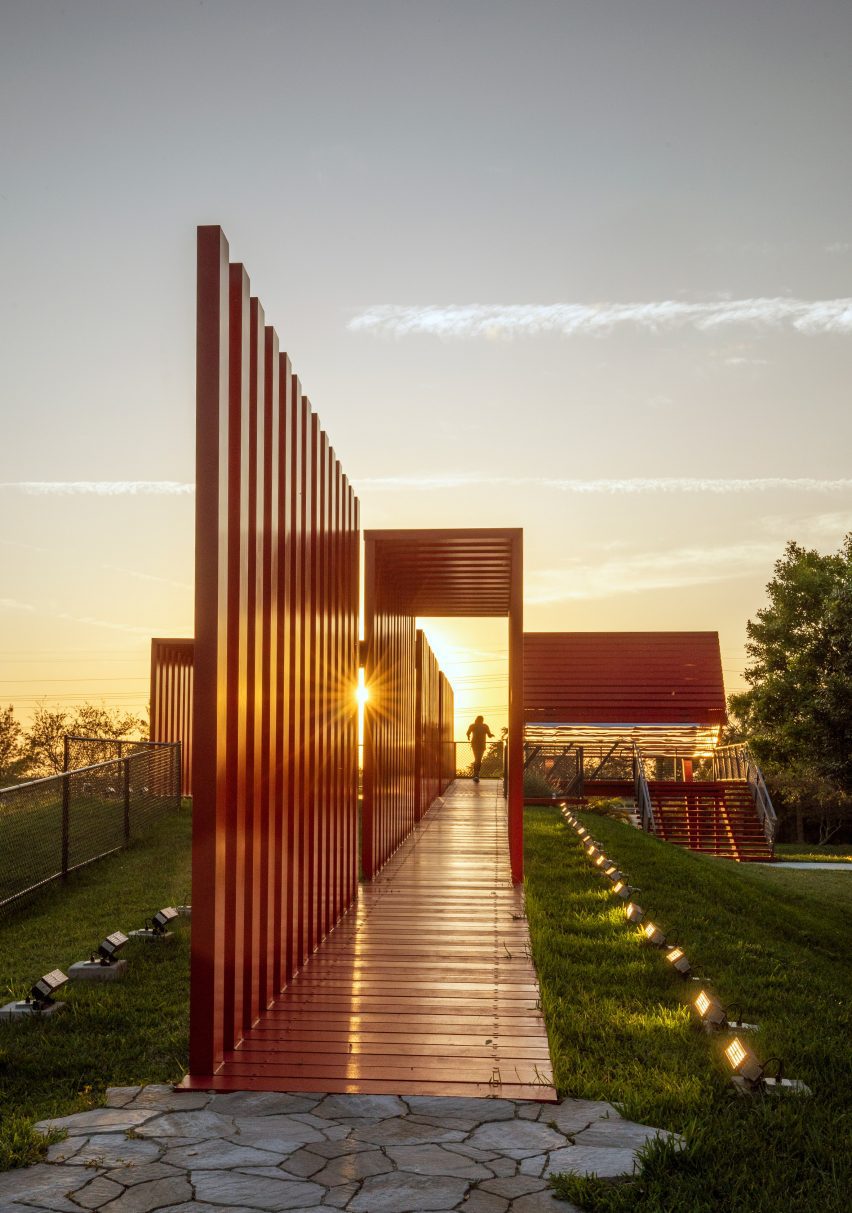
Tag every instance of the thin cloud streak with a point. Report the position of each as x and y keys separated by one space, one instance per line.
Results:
x=629 y=486
x=100 y=488
x=504 y=321
x=648 y=571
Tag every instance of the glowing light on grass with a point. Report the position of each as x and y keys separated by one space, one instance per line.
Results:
x=634 y=913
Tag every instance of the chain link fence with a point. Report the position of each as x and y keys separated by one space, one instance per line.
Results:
x=50 y=827
x=492 y=761
x=88 y=751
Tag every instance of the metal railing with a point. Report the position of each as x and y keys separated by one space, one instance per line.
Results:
x=553 y=769
x=51 y=827
x=642 y=793
x=737 y=762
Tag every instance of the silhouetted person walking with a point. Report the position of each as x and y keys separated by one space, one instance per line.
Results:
x=477 y=735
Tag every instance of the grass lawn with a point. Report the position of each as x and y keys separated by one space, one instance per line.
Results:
x=775 y=941
x=113 y=1035
x=814 y=852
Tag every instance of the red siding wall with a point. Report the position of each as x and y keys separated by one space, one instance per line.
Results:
x=274 y=716
x=623 y=678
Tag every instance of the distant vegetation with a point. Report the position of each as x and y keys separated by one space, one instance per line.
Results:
x=797 y=712
x=30 y=753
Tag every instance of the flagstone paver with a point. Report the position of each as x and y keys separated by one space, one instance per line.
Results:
x=259 y=1152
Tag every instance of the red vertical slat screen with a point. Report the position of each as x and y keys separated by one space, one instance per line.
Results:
x=447 y=730
x=171 y=699
x=274 y=731
x=389 y=722
x=429 y=760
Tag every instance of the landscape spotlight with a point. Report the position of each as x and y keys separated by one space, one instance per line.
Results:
x=743 y=1062
x=611 y=870
x=715 y=1016
x=634 y=913
x=750 y=1077
x=622 y=889
x=710 y=1009
x=41 y=995
x=155 y=929
x=162 y=918
x=110 y=947
x=654 y=935
x=601 y=860
x=676 y=957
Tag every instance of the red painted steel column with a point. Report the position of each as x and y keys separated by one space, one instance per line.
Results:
x=209 y=723
x=516 y=711
x=270 y=826
x=236 y=605
x=283 y=576
x=370 y=762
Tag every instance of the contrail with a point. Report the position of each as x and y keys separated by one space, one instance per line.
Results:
x=628 y=486
x=100 y=488
x=502 y=321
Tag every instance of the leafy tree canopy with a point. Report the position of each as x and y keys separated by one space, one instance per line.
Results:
x=797 y=711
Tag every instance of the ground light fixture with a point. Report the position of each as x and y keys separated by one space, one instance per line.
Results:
x=103 y=964
x=109 y=948
x=39 y=1001
x=676 y=957
x=162 y=918
x=41 y=995
x=715 y=1017
x=750 y=1076
x=623 y=890
x=156 y=928
x=654 y=935
x=634 y=912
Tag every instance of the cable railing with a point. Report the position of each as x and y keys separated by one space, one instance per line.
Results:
x=737 y=762
x=54 y=826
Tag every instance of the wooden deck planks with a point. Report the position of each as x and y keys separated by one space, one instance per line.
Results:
x=425 y=987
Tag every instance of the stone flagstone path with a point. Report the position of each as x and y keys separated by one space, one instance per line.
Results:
x=153 y=1148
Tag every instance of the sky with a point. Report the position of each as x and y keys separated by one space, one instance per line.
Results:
x=578 y=267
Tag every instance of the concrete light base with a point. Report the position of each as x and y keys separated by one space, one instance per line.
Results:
x=93 y=970
x=150 y=936
x=732 y=1029
x=771 y=1086
x=27 y=1010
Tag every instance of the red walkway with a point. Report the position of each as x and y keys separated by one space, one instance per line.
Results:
x=425 y=987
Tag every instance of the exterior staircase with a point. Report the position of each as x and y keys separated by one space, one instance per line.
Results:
x=716 y=818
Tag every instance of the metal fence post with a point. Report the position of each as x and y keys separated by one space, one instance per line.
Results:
x=126 y=763
x=66 y=818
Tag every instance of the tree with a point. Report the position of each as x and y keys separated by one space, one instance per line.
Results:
x=797 y=712
x=46 y=737
x=13 y=755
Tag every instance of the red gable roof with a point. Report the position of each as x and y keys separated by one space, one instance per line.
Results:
x=623 y=678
